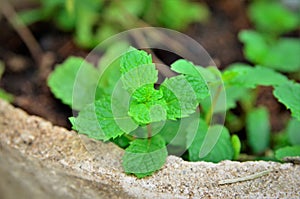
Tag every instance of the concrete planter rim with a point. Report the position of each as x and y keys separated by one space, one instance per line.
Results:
x=43 y=160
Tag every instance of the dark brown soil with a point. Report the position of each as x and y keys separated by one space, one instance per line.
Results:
x=219 y=35
x=27 y=81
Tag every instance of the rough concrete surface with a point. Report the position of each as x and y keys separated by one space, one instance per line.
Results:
x=39 y=160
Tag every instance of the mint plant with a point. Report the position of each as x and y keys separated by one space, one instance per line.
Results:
x=151 y=121
x=137 y=114
x=93 y=21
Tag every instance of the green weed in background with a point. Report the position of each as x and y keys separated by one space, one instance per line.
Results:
x=93 y=21
x=266 y=45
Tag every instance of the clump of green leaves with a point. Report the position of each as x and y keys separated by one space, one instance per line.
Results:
x=3 y=94
x=140 y=117
x=280 y=54
x=272 y=17
x=95 y=20
x=150 y=121
x=264 y=45
x=242 y=78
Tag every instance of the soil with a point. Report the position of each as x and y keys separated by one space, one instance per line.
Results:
x=24 y=79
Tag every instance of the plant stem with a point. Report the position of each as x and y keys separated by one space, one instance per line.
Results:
x=129 y=137
x=149 y=130
x=214 y=102
x=12 y=17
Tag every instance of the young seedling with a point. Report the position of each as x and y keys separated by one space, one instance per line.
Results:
x=140 y=117
x=149 y=120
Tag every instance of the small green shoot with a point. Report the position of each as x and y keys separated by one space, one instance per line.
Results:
x=289 y=153
x=3 y=94
x=236 y=144
x=258 y=130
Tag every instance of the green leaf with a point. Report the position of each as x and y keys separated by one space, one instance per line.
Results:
x=6 y=96
x=110 y=122
x=239 y=78
x=147 y=93
x=255 y=46
x=106 y=118
x=193 y=76
x=272 y=17
x=178 y=102
x=120 y=105
x=250 y=77
x=86 y=22
x=86 y=123
x=185 y=67
x=138 y=77
x=179 y=134
x=221 y=150
x=122 y=141
x=145 y=113
x=109 y=66
x=199 y=86
x=133 y=59
x=293 y=132
x=231 y=75
x=258 y=129
x=147 y=105
x=74 y=82
x=289 y=95
x=31 y=16
x=186 y=12
x=174 y=134
x=145 y=156
x=284 y=55
x=236 y=144
x=281 y=54
x=288 y=152
x=84 y=25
